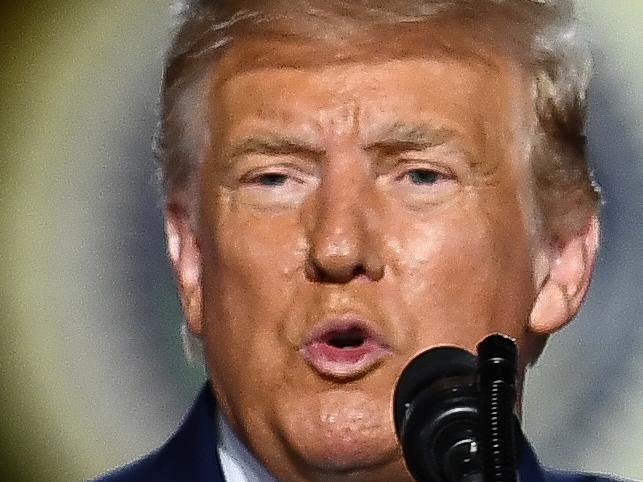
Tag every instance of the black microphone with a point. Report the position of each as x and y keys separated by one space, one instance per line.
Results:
x=437 y=416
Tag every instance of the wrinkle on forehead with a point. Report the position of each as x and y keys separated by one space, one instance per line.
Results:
x=344 y=93
x=306 y=110
x=262 y=52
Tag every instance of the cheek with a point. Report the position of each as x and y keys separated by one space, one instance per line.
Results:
x=460 y=277
x=442 y=261
x=249 y=280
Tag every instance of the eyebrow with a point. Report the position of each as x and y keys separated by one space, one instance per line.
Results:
x=392 y=139
x=411 y=137
x=273 y=145
x=403 y=137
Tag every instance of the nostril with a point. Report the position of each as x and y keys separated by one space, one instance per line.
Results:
x=334 y=274
x=350 y=338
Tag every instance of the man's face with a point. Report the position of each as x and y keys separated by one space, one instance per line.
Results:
x=353 y=215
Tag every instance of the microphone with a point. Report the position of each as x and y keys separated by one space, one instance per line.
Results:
x=454 y=416
x=437 y=416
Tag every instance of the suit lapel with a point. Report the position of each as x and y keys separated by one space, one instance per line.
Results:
x=193 y=449
x=529 y=468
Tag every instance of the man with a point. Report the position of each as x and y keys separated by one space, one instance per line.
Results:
x=349 y=184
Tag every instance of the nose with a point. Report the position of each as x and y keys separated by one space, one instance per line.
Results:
x=344 y=235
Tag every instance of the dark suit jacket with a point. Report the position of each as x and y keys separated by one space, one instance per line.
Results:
x=190 y=455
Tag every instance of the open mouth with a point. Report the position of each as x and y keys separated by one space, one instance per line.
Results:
x=351 y=337
x=344 y=349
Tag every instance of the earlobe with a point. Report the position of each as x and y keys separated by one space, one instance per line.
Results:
x=561 y=293
x=185 y=256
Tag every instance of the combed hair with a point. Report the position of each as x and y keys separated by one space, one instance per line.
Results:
x=541 y=35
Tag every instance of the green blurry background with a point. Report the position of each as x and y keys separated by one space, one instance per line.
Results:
x=91 y=365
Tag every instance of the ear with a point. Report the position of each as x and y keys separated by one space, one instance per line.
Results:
x=185 y=256
x=566 y=281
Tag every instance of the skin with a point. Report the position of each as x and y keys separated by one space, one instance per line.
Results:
x=393 y=189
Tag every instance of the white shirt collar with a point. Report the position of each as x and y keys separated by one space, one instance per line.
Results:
x=238 y=464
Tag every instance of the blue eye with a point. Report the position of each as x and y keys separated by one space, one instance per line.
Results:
x=423 y=176
x=271 y=179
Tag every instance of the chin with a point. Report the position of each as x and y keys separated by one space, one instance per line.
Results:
x=342 y=453
x=339 y=431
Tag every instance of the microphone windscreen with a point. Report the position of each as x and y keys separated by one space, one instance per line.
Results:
x=424 y=370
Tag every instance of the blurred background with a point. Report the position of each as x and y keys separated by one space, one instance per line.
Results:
x=91 y=364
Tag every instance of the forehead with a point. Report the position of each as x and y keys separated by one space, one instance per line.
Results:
x=262 y=56
x=366 y=100
x=411 y=73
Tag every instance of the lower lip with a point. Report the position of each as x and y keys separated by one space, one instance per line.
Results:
x=344 y=363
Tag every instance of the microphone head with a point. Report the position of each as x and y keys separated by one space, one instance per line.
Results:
x=437 y=416
x=425 y=369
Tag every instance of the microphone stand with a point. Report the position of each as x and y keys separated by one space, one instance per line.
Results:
x=497 y=359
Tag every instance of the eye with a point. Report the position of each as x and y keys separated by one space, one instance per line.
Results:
x=267 y=179
x=278 y=187
x=423 y=176
x=270 y=179
x=422 y=182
